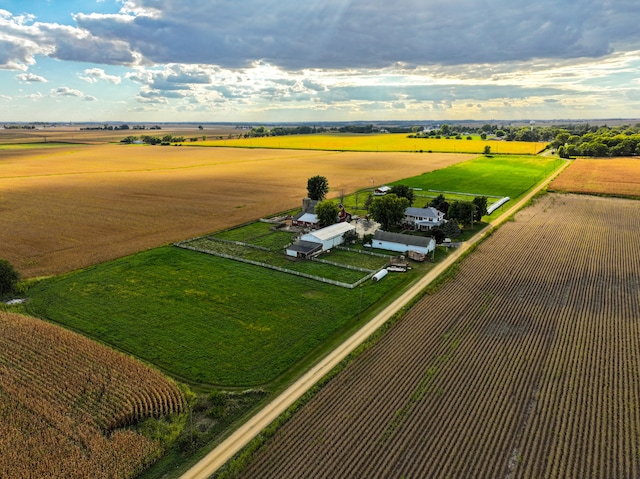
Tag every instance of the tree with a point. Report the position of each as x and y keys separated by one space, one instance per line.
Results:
x=327 y=212
x=439 y=234
x=487 y=150
x=350 y=237
x=481 y=207
x=440 y=203
x=451 y=229
x=403 y=191
x=317 y=187
x=388 y=210
x=462 y=211
x=8 y=278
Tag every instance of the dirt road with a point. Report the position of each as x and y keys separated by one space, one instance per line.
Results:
x=241 y=437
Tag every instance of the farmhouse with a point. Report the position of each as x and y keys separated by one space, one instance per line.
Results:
x=402 y=243
x=317 y=241
x=423 y=218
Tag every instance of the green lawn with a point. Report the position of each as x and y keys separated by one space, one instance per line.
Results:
x=497 y=176
x=202 y=318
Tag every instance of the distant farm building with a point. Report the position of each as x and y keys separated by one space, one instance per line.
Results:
x=381 y=190
x=402 y=243
x=324 y=239
x=307 y=217
x=423 y=218
x=305 y=220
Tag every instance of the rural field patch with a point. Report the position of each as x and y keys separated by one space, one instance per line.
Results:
x=381 y=142
x=608 y=176
x=67 y=208
x=522 y=365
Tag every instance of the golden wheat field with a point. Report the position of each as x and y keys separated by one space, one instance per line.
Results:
x=69 y=207
x=382 y=142
x=523 y=365
x=64 y=402
x=610 y=176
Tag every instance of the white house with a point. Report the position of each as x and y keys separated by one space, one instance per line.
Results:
x=423 y=218
x=402 y=243
x=330 y=236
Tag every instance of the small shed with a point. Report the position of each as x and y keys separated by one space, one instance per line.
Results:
x=306 y=220
x=330 y=236
x=381 y=190
x=402 y=243
x=303 y=249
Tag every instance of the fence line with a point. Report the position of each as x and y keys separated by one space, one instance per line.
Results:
x=278 y=268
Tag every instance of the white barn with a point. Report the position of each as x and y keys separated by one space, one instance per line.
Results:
x=402 y=243
x=330 y=236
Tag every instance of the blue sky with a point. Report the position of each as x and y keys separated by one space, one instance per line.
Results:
x=330 y=60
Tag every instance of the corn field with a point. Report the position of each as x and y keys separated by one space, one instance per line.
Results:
x=525 y=365
x=65 y=400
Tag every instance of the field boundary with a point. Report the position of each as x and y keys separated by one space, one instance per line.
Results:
x=369 y=275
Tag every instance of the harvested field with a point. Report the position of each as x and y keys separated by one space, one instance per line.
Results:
x=609 y=176
x=66 y=208
x=522 y=366
x=65 y=402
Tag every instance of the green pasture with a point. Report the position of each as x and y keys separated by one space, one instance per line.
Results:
x=510 y=176
x=497 y=176
x=202 y=318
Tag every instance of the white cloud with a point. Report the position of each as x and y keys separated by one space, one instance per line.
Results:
x=31 y=78
x=66 y=91
x=93 y=75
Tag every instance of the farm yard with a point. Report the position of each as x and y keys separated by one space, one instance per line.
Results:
x=66 y=402
x=608 y=176
x=522 y=365
x=70 y=207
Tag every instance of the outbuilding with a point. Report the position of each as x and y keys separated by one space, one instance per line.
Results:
x=304 y=249
x=402 y=243
x=330 y=236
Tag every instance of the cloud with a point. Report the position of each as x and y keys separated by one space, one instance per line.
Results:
x=66 y=91
x=31 y=78
x=89 y=98
x=334 y=34
x=93 y=75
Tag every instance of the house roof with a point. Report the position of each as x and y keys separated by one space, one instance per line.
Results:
x=337 y=229
x=398 y=238
x=429 y=211
x=305 y=247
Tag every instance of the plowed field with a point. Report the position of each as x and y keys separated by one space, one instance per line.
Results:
x=69 y=207
x=524 y=365
x=609 y=176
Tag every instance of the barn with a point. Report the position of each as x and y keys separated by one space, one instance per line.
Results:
x=402 y=243
x=330 y=236
x=304 y=249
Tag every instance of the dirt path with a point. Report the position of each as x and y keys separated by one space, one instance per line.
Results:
x=241 y=437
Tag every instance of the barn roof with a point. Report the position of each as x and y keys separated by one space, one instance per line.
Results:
x=304 y=247
x=424 y=241
x=332 y=231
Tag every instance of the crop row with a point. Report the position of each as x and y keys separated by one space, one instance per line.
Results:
x=524 y=365
x=67 y=390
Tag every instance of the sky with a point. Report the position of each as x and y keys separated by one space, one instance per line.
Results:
x=312 y=61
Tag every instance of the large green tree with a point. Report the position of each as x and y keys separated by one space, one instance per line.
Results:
x=388 y=210
x=8 y=278
x=462 y=211
x=403 y=191
x=481 y=207
x=327 y=212
x=317 y=187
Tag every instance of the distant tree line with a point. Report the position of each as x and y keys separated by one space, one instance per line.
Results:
x=600 y=141
x=153 y=140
